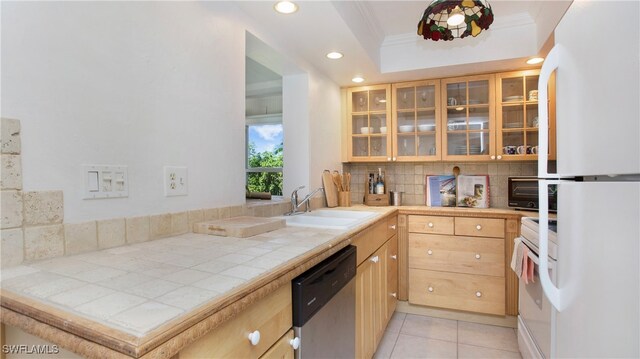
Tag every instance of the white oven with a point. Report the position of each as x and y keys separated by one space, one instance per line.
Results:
x=535 y=319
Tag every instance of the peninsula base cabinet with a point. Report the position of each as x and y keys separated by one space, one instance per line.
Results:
x=376 y=285
x=458 y=263
x=271 y=317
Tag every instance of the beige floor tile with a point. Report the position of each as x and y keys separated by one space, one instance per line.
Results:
x=78 y=296
x=385 y=348
x=146 y=316
x=487 y=336
x=409 y=346
x=395 y=324
x=471 y=352
x=219 y=283
x=428 y=327
x=110 y=305
x=187 y=297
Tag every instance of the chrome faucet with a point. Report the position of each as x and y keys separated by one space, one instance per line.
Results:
x=295 y=205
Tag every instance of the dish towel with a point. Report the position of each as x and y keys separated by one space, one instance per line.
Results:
x=521 y=263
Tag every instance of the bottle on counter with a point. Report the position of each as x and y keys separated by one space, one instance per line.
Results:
x=372 y=183
x=380 y=183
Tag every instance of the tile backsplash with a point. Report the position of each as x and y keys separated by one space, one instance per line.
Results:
x=409 y=177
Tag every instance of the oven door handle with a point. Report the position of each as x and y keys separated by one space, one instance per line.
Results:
x=550 y=290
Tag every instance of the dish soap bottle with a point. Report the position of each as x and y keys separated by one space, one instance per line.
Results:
x=380 y=184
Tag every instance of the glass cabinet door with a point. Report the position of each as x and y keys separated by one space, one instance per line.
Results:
x=416 y=126
x=369 y=123
x=517 y=115
x=468 y=118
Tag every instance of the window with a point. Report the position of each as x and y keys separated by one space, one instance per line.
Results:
x=264 y=135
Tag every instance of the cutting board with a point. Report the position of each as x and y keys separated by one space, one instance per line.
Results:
x=240 y=227
x=330 y=189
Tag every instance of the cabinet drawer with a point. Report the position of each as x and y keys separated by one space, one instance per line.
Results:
x=281 y=349
x=480 y=227
x=473 y=293
x=431 y=224
x=457 y=254
x=271 y=316
x=368 y=241
x=392 y=226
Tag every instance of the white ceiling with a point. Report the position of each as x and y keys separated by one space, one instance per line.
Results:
x=379 y=40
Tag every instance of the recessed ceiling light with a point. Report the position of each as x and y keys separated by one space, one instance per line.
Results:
x=535 y=60
x=334 y=55
x=357 y=79
x=285 y=7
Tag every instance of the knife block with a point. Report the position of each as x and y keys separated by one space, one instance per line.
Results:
x=372 y=199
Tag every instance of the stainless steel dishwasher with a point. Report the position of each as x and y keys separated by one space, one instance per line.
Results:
x=324 y=308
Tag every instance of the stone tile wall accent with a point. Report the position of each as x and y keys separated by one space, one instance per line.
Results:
x=409 y=177
x=32 y=225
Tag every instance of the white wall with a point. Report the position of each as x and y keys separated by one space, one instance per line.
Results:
x=142 y=84
x=295 y=115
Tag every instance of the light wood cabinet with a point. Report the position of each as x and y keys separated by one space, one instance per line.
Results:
x=472 y=118
x=416 y=121
x=376 y=287
x=271 y=317
x=369 y=123
x=461 y=266
x=517 y=115
x=282 y=349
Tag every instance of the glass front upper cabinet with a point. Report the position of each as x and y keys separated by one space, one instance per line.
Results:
x=468 y=118
x=517 y=115
x=416 y=130
x=369 y=123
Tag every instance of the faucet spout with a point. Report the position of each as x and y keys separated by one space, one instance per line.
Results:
x=305 y=201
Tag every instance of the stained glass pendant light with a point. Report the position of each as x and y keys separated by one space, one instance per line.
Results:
x=450 y=19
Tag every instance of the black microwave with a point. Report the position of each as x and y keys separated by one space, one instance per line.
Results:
x=523 y=194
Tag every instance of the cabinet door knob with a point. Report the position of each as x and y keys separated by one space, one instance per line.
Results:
x=375 y=259
x=254 y=337
x=394 y=256
x=430 y=224
x=295 y=343
x=477 y=256
x=479 y=227
x=478 y=294
x=430 y=289
x=393 y=226
x=388 y=158
x=493 y=157
x=394 y=158
x=499 y=157
x=429 y=252
x=395 y=295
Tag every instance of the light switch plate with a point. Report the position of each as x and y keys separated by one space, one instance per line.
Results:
x=105 y=181
x=175 y=181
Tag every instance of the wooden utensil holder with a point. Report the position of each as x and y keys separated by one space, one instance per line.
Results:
x=375 y=199
x=344 y=199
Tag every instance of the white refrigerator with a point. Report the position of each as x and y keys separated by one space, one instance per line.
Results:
x=596 y=297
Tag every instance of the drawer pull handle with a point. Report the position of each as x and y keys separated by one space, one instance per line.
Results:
x=429 y=252
x=254 y=337
x=477 y=256
x=478 y=294
x=375 y=259
x=479 y=227
x=394 y=256
x=430 y=224
x=393 y=226
x=395 y=295
x=430 y=289
x=295 y=343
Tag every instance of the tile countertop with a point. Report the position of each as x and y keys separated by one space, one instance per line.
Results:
x=143 y=289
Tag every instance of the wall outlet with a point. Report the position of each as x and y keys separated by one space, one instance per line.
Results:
x=175 y=181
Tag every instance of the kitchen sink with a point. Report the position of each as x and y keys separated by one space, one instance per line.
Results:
x=329 y=219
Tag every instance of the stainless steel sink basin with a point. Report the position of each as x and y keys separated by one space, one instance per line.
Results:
x=329 y=219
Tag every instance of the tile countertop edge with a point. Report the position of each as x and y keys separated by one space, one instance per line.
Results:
x=91 y=339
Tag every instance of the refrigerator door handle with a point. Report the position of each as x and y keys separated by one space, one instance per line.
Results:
x=550 y=64
x=550 y=290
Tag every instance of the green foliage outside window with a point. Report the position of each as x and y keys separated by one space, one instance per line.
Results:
x=265 y=181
